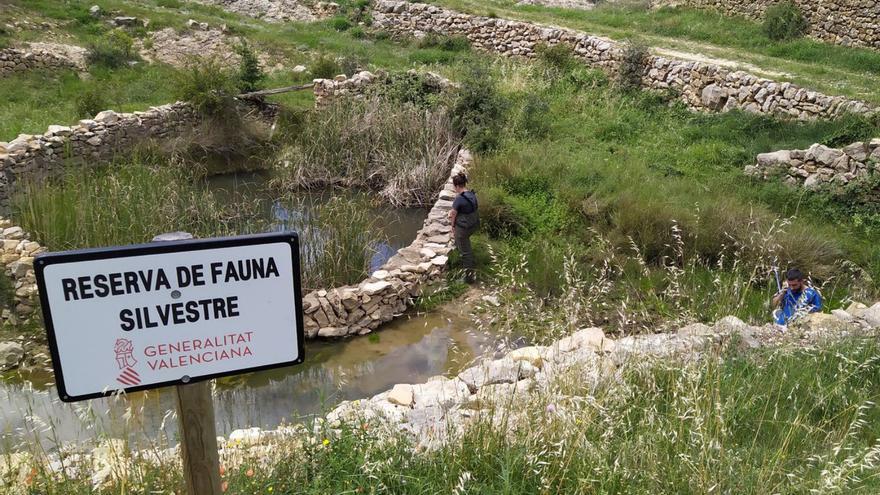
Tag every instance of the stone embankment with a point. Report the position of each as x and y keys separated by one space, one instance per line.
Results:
x=702 y=86
x=360 y=309
x=41 y=56
x=819 y=165
x=364 y=83
x=90 y=140
x=845 y=22
x=276 y=10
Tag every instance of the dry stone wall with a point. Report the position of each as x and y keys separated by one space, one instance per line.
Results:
x=90 y=140
x=20 y=60
x=360 y=309
x=703 y=86
x=17 y=261
x=364 y=82
x=819 y=165
x=845 y=22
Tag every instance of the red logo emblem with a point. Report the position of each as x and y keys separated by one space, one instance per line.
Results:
x=125 y=360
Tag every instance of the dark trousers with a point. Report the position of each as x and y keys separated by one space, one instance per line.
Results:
x=463 y=244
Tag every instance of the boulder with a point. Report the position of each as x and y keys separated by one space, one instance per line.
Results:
x=776 y=158
x=713 y=97
x=857 y=151
x=401 y=395
x=532 y=355
x=107 y=117
x=247 y=436
x=872 y=315
x=589 y=338
x=95 y=11
x=823 y=155
x=822 y=322
x=11 y=354
x=504 y=370
x=124 y=21
x=696 y=330
x=442 y=393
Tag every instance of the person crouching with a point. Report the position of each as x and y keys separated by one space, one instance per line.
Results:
x=796 y=299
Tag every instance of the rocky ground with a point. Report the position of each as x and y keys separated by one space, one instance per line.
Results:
x=563 y=4
x=200 y=40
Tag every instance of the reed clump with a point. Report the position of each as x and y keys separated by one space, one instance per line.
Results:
x=403 y=152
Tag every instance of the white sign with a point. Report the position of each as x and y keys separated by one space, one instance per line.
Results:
x=166 y=313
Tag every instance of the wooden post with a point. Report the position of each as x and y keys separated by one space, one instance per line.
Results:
x=198 y=431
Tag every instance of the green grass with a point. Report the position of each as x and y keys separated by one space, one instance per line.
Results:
x=786 y=422
x=34 y=100
x=832 y=69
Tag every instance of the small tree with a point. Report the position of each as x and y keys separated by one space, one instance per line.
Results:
x=784 y=21
x=250 y=75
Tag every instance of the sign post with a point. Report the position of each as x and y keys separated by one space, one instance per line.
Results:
x=196 y=423
x=175 y=312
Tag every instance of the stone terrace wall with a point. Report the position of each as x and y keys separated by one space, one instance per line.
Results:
x=360 y=309
x=364 y=82
x=819 y=165
x=17 y=261
x=91 y=140
x=702 y=86
x=19 y=60
x=845 y=22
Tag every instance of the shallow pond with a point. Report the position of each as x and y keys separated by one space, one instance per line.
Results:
x=409 y=350
x=397 y=227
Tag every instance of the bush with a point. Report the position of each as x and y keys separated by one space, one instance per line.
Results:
x=90 y=102
x=498 y=218
x=784 y=21
x=250 y=76
x=340 y=23
x=209 y=87
x=479 y=111
x=559 y=57
x=114 y=50
x=412 y=88
x=169 y=4
x=358 y=33
x=533 y=120
x=325 y=67
x=632 y=66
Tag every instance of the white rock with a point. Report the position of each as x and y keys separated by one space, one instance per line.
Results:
x=107 y=117
x=373 y=288
x=11 y=353
x=299 y=69
x=441 y=393
x=402 y=395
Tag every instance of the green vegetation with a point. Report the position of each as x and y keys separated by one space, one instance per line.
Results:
x=250 y=76
x=784 y=21
x=787 y=422
x=825 y=67
x=115 y=49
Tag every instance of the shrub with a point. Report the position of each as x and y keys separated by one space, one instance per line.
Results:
x=412 y=88
x=480 y=111
x=115 y=49
x=325 y=67
x=250 y=76
x=90 y=102
x=498 y=218
x=357 y=32
x=784 y=21
x=340 y=23
x=169 y=4
x=209 y=87
x=849 y=128
x=632 y=66
x=533 y=118
x=559 y=57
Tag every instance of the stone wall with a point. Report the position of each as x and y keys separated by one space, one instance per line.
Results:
x=365 y=82
x=845 y=22
x=360 y=309
x=21 y=60
x=702 y=86
x=819 y=165
x=91 y=140
x=17 y=261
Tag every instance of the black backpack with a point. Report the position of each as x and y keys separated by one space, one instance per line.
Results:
x=469 y=221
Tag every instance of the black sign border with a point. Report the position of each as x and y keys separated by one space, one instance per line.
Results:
x=44 y=260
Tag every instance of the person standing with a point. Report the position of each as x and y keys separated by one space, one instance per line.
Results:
x=796 y=299
x=465 y=220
